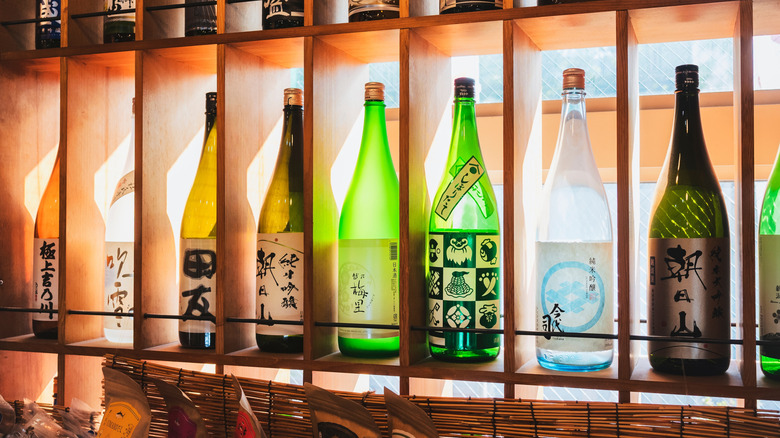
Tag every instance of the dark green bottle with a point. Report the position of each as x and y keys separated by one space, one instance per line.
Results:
x=120 y=26
x=688 y=248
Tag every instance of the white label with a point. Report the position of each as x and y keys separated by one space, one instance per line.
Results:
x=49 y=8
x=46 y=277
x=356 y=6
x=120 y=5
x=769 y=285
x=125 y=186
x=283 y=8
x=198 y=284
x=119 y=284
x=449 y=4
x=368 y=286
x=574 y=294
x=280 y=282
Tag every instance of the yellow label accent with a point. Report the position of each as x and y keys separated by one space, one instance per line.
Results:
x=120 y=421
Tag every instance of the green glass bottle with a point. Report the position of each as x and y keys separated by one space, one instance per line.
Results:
x=280 y=239
x=368 y=241
x=769 y=274
x=464 y=284
x=688 y=248
x=198 y=245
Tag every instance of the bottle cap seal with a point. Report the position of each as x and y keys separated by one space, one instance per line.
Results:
x=211 y=102
x=464 y=87
x=375 y=91
x=293 y=96
x=574 y=78
x=686 y=76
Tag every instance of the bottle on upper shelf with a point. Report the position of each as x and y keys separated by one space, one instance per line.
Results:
x=368 y=241
x=198 y=245
x=200 y=20
x=769 y=274
x=367 y=10
x=453 y=6
x=47 y=33
x=464 y=260
x=282 y=13
x=574 y=261
x=120 y=238
x=688 y=249
x=280 y=239
x=119 y=26
x=557 y=2
x=46 y=257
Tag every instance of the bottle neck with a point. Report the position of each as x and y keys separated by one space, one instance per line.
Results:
x=211 y=117
x=291 y=148
x=689 y=163
x=465 y=141
x=573 y=131
x=374 y=143
x=130 y=160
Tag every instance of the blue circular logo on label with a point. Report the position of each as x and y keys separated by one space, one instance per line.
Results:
x=575 y=294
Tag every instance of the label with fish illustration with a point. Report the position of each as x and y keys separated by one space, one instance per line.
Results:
x=464 y=284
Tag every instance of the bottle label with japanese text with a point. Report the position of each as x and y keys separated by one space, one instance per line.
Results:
x=449 y=4
x=464 y=285
x=120 y=5
x=769 y=286
x=46 y=277
x=357 y=6
x=198 y=285
x=689 y=296
x=282 y=8
x=124 y=187
x=574 y=294
x=119 y=421
x=119 y=284
x=50 y=9
x=368 y=286
x=465 y=176
x=280 y=282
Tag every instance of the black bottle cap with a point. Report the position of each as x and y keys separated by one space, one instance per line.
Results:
x=464 y=87
x=687 y=76
x=211 y=102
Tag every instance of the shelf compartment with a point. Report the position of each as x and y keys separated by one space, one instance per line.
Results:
x=571 y=31
x=645 y=379
x=28 y=375
x=17 y=36
x=685 y=22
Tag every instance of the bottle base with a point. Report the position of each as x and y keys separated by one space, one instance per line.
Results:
x=47 y=44
x=464 y=356
x=574 y=361
x=281 y=23
x=280 y=344
x=197 y=340
x=119 y=336
x=689 y=367
x=369 y=348
x=45 y=330
x=118 y=38
x=201 y=31
x=373 y=15
x=770 y=360
x=469 y=8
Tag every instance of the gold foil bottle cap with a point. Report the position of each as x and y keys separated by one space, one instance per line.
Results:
x=574 y=78
x=293 y=96
x=375 y=91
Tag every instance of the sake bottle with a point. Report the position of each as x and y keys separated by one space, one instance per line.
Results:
x=454 y=6
x=46 y=257
x=464 y=275
x=574 y=264
x=120 y=237
x=367 y=10
x=768 y=277
x=280 y=239
x=47 y=33
x=200 y=20
x=282 y=13
x=120 y=26
x=368 y=241
x=688 y=248
x=198 y=245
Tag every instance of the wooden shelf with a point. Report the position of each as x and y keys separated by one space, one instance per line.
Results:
x=77 y=97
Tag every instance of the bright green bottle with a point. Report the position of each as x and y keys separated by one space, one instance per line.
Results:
x=198 y=245
x=688 y=248
x=464 y=285
x=368 y=241
x=769 y=274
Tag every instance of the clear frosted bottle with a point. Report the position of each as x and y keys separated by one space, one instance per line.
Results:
x=574 y=253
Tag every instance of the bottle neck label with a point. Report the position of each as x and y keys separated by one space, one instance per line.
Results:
x=125 y=186
x=280 y=282
x=198 y=284
x=465 y=176
x=574 y=294
x=689 y=296
x=119 y=285
x=449 y=4
x=769 y=287
x=464 y=286
x=357 y=6
x=46 y=278
x=282 y=8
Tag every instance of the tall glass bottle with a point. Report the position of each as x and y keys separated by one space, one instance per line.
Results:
x=198 y=245
x=47 y=33
x=368 y=241
x=768 y=277
x=46 y=257
x=280 y=239
x=120 y=26
x=464 y=258
x=200 y=20
x=282 y=13
x=120 y=235
x=366 y=10
x=574 y=267
x=688 y=248
x=453 y=6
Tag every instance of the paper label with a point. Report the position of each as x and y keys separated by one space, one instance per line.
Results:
x=689 y=296
x=244 y=427
x=198 y=284
x=465 y=178
x=119 y=421
x=49 y=9
x=368 y=286
x=119 y=284
x=120 y=5
x=125 y=186
x=769 y=286
x=280 y=281
x=46 y=277
x=356 y=6
x=464 y=284
x=574 y=294
x=449 y=4
x=283 y=8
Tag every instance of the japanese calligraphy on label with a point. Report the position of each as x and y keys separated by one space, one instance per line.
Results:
x=283 y=8
x=49 y=9
x=368 y=286
x=119 y=421
x=119 y=284
x=574 y=294
x=449 y=4
x=120 y=5
x=46 y=277
x=465 y=178
x=198 y=284
x=464 y=286
x=125 y=186
x=689 y=296
x=356 y=6
x=280 y=281
x=769 y=287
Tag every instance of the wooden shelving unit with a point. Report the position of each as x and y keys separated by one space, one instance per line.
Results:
x=78 y=97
